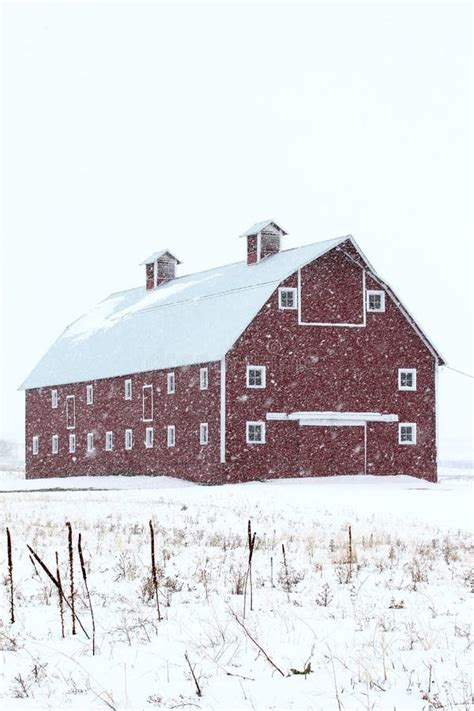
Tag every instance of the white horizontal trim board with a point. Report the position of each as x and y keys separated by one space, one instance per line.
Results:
x=332 y=417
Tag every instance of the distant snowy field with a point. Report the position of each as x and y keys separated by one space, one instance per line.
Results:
x=391 y=631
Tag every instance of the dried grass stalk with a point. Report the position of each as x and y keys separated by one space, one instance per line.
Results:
x=84 y=577
x=10 y=576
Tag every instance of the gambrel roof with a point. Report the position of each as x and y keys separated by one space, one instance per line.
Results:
x=192 y=319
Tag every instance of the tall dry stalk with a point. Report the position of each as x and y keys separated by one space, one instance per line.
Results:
x=60 y=594
x=154 y=575
x=248 y=577
x=84 y=577
x=57 y=584
x=350 y=552
x=287 y=575
x=71 y=575
x=10 y=576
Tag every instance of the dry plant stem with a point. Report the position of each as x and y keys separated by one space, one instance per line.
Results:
x=56 y=583
x=10 y=576
x=71 y=575
x=252 y=639
x=350 y=552
x=198 y=688
x=60 y=595
x=285 y=564
x=248 y=577
x=153 y=570
x=84 y=577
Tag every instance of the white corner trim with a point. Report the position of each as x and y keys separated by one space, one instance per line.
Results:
x=325 y=323
x=222 y=413
x=259 y=246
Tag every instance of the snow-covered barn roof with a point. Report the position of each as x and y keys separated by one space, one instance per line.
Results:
x=192 y=319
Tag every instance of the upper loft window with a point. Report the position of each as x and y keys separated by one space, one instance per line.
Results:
x=90 y=394
x=375 y=300
x=127 y=392
x=287 y=298
x=256 y=376
x=54 y=399
x=203 y=378
x=407 y=433
x=407 y=378
x=171 y=383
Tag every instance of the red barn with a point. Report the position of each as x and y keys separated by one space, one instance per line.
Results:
x=300 y=362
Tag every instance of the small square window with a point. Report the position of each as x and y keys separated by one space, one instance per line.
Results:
x=109 y=441
x=54 y=399
x=90 y=394
x=255 y=433
x=376 y=301
x=203 y=433
x=171 y=383
x=35 y=445
x=256 y=376
x=127 y=394
x=72 y=444
x=149 y=437
x=287 y=298
x=90 y=441
x=128 y=439
x=203 y=379
x=170 y=435
x=407 y=433
x=54 y=444
x=407 y=378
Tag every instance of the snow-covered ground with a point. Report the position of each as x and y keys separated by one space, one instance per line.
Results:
x=391 y=631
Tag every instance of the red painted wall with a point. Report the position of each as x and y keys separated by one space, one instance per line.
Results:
x=308 y=368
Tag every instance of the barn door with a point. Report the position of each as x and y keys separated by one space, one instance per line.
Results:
x=331 y=450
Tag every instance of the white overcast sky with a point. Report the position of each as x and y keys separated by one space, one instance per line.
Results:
x=131 y=127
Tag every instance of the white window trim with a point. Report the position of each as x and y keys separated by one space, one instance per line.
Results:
x=204 y=433
x=72 y=443
x=35 y=445
x=247 y=428
x=90 y=442
x=170 y=383
x=294 y=291
x=69 y=399
x=129 y=440
x=264 y=376
x=54 y=399
x=127 y=389
x=147 y=387
x=203 y=379
x=149 y=439
x=54 y=444
x=406 y=424
x=89 y=394
x=406 y=370
x=109 y=441
x=171 y=436
x=376 y=292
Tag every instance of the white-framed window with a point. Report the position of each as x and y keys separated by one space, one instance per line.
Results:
x=90 y=394
x=406 y=433
x=407 y=378
x=170 y=435
x=287 y=298
x=203 y=378
x=70 y=412
x=255 y=433
x=204 y=433
x=90 y=441
x=171 y=383
x=256 y=376
x=72 y=443
x=54 y=444
x=127 y=389
x=375 y=300
x=149 y=437
x=109 y=441
x=35 y=445
x=147 y=403
x=54 y=399
x=128 y=439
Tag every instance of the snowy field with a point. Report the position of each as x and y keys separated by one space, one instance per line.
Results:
x=384 y=627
